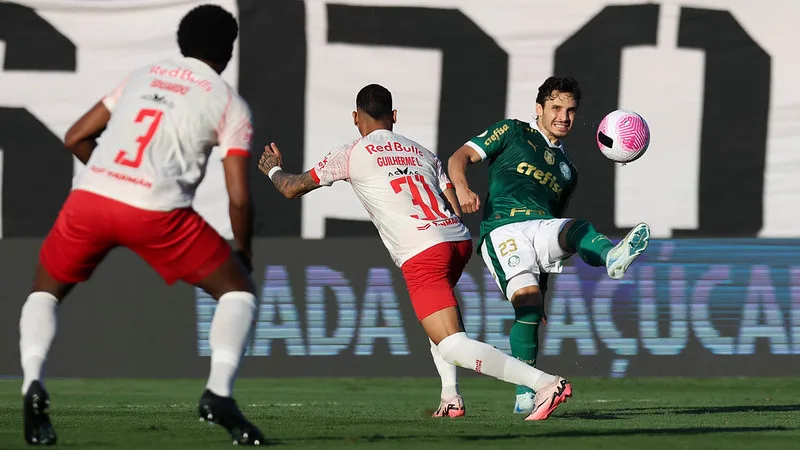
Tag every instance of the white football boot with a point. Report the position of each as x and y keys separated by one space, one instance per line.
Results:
x=623 y=254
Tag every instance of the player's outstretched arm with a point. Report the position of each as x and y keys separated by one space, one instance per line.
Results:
x=289 y=184
x=81 y=139
x=457 y=170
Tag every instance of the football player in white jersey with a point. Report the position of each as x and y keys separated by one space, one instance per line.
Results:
x=156 y=131
x=411 y=202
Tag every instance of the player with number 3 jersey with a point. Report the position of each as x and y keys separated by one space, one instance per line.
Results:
x=145 y=146
x=411 y=202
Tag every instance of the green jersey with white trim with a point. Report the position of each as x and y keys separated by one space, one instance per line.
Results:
x=529 y=178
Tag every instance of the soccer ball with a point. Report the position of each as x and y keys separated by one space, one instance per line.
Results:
x=623 y=136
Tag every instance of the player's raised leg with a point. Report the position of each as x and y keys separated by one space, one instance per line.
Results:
x=435 y=305
x=456 y=347
x=579 y=236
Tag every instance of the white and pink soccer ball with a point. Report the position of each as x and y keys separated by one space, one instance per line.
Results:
x=623 y=136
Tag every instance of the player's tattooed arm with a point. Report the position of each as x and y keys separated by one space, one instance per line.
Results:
x=289 y=184
x=293 y=186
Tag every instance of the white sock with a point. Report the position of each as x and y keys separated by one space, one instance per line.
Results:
x=37 y=328
x=447 y=372
x=462 y=351
x=228 y=337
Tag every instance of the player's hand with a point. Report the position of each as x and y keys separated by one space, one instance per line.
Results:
x=245 y=259
x=470 y=202
x=270 y=158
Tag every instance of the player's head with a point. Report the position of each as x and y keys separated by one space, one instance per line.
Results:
x=208 y=32
x=556 y=104
x=374 y=109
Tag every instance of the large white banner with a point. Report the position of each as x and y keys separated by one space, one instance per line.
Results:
x=713 y=75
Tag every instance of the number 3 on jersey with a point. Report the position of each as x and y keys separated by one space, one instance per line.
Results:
x=430 y=210
x=143 y=140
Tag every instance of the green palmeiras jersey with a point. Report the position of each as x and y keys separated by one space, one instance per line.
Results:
x=529 y=177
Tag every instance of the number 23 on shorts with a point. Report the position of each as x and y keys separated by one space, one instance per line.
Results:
x=143 y=140
x=508 y=246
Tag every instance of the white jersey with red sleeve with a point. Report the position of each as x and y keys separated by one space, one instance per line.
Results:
x=401 y=185
x=166 y=118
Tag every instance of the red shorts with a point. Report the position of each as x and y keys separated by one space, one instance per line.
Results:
x=177 y=244
x=431 y=276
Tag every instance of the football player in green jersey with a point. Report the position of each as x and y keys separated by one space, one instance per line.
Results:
x=524 y=235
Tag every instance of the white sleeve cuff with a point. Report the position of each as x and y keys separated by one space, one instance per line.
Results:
x=477 y=148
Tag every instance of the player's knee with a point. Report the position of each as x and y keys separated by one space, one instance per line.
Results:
x=241 y=297
x=527 y=296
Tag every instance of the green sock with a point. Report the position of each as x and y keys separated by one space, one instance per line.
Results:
x=590 y=245
x=524 y=337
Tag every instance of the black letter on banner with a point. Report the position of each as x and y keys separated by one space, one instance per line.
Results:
x=735 y=114
x=473 y=84
x=593 y=55
x=37 y=169
x=272 y=78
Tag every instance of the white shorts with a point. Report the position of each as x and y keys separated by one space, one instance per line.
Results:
x=516 y=254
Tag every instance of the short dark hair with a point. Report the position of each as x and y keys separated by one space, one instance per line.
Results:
x=567 y=85
x=375 y=100
x=208 y=32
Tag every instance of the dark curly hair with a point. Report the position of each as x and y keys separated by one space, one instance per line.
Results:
x=208 y=32
x=567 y=85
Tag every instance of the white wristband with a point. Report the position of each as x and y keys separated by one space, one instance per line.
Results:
x=273 y=170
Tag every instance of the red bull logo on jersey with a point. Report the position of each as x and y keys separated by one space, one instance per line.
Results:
x=545 y=178
x=393 y=146
x=181 y=74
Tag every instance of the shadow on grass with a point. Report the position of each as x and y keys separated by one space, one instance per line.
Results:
x=555 y=434
x=623 y=413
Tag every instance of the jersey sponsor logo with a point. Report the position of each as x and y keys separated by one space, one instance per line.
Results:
x=544 y=178
x=499 y=131
x=549 y=157
x=393 y=146
x=526 y=211
x=565 y=170
x=385 y=161
x=181 y=74
x=122 y=177
x=160 y=99
x=403 y=171
x=440 y=223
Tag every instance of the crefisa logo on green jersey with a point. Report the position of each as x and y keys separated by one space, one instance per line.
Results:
x=496 y=134
x=546 y=178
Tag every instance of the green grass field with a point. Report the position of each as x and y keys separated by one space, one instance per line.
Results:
x=394 y=413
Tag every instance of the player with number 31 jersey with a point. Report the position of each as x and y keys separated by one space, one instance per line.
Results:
x=411 y=202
